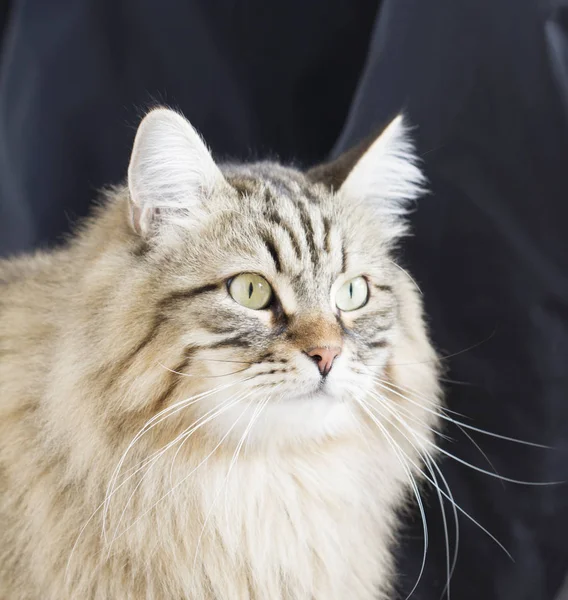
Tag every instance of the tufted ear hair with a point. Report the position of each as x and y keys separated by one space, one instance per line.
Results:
x=171 y=173
x=381 y=172
x=332 y=174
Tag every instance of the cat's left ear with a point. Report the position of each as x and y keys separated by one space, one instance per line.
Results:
x=381 y=173
x=171 y=174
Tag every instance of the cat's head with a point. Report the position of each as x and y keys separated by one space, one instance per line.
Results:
x=274 y=294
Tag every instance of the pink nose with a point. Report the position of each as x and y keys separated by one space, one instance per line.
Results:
x=324 y=357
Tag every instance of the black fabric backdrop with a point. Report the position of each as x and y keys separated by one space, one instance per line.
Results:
x=486 y=84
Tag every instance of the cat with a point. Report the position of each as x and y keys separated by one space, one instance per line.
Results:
x=221 y=387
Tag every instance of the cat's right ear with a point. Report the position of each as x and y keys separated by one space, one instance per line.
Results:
x=383 y=175
x=171 y=174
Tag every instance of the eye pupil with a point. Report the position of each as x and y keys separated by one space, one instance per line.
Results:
x=250 y=290
x=352 y=294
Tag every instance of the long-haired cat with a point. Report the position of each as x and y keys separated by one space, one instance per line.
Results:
x=221 y=387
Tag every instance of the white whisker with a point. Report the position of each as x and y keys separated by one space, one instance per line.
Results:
x=388 y=386
x=253 y=418
x=431 y=465
x=408 y=415
x=474 y=467
x=489 y=473
x=457 y=526
x=150 y=424
x=407 y=274
x=403 y=458
x=111 y=489
x=450 y=499
x=476 y=445
x=186 y=477
x=428 y=465
x=225 y=407
x=203 y=376
x=185 y=435
x=418 y=394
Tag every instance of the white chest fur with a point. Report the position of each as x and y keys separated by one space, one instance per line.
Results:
x=287 y=527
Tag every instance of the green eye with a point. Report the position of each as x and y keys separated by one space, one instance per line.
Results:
x=352 y=295
x=251 y=290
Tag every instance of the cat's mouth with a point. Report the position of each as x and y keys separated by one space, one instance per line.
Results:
x=320 y=390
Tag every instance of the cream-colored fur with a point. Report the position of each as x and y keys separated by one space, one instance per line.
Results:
x=108 y=356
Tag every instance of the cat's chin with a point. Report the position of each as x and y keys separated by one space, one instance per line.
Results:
x=304 y=416
x=318 y=392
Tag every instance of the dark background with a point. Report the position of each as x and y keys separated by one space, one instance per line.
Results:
x=486 y=84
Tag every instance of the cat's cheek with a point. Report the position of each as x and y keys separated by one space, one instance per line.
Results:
x=264 y=317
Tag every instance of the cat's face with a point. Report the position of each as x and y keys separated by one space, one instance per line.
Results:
x=282 y=292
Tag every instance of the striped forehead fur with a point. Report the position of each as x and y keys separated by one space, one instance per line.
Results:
x=291 y=213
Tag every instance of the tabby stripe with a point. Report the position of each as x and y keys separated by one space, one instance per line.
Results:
x=183 y=295
x=243 y=185
x=343 y=258
x=118 y=368
x=159 y=319
x=279 y=319
x=378 y=344
x=370 y=326
x=141 y=248
x=228 y=343
x=345 y=330
x=220 y=329
x=267 y=357
x=272 y=251
x=268 y=198
x=326 y=234
x=383 y=288
x=276 y=220
x=282 y=186
x=175 y=379
x=382 y=327
x=310 y=195
x=310 y=235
